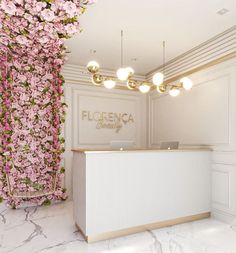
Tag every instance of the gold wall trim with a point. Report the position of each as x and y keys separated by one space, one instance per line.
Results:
x=200 y=59
x=143 y=228
x=216 y=39
x=204 y=66
x=200 y=68
x=81 y=232
x=213 y=48
x=89 y=84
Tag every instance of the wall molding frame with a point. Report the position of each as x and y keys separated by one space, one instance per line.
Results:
x=78 y=94
x=75 y=88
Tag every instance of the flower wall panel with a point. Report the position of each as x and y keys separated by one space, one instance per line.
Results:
x=32 y=52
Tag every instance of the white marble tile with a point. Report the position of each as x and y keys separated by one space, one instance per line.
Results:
x=51 y=230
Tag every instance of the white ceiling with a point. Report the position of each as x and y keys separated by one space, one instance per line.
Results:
x=184 y=24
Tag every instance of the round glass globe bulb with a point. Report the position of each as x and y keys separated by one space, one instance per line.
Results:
x=144 y=88
x=187 y=83
x=122 y=74
x=93 y=67
x=174 y=92
x=130 y=71
x=109 y=84
x=158 y=79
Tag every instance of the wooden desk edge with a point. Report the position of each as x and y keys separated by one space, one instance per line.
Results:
x=90 y=151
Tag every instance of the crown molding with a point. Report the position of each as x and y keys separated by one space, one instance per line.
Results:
x=202 y=67
x=218 y=47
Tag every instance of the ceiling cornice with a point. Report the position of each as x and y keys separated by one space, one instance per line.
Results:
x=215 y=48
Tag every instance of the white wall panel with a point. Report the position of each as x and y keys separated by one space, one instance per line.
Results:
x=220 y=188
x=83 y=134
x=224 y=188
x=224 y=157
x=88 y=133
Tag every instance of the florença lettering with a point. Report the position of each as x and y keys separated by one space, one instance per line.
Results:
x=110 y=120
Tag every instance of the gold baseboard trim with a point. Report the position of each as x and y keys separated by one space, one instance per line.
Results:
x=202 y=67
x=81 y=232
x=138 y=229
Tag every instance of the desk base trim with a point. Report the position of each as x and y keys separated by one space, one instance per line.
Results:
x=143 y=228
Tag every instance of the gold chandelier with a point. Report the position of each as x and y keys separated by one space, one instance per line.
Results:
x=126 y=74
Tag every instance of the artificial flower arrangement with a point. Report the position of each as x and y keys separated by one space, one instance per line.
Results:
x=32 y=111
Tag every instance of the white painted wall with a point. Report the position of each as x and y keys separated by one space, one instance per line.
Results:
x=80 y=96
x=205 y=116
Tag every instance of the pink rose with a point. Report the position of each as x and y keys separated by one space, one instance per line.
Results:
x=40 y=5
x=70 y=8
x=22 y=78
x=21 y=40
x=43 y=39
x=48 y=76
x=48 y=15
x=8 y=7
x=71 y=29
x=28 y=17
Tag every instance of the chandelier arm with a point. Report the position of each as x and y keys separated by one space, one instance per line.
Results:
x=138 y=82
x=105 y=77
x=178 y=86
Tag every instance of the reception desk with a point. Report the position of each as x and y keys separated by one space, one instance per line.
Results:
x=122 y=192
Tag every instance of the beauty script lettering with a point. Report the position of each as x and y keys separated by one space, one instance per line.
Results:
x=108 y=120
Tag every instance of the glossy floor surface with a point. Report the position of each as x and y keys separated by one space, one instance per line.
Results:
x=51 y=230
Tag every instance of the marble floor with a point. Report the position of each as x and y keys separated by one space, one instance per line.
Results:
x=51 y=230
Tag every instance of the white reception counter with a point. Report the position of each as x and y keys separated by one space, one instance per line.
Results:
x=121 y=192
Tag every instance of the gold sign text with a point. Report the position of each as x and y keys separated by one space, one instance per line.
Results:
x=110 y=120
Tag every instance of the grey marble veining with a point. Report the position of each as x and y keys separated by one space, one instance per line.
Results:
x=51 y=230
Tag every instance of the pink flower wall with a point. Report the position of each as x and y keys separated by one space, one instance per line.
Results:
x=32 y=52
